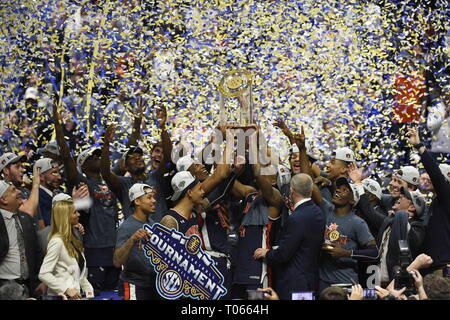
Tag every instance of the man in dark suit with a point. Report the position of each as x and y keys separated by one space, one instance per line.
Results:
x=297 y=255
x=20 y=253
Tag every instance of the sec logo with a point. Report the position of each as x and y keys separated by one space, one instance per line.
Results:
x=170 y=283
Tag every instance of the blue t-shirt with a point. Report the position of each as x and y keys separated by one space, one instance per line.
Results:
x=351 y=233
x=137 y=270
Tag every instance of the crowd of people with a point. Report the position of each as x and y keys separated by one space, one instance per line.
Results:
x=364 y=210
x=77 y=228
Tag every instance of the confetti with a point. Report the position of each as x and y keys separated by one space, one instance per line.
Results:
x=330 y=65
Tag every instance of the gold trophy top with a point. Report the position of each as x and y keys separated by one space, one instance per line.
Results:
x=235 y=82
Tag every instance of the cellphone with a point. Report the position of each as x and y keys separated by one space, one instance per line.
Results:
x=307 y=295
x=44 y=297
x=255 y=295
x=446 y=272
x=369 y=294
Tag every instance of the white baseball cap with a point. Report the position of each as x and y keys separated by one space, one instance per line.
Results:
x=181 y=182
x=51 y=147
x=373 y=187
x=31 y=93
x=79 y=204
x=61 y=197
x=344 y=154
x=184 y=163
x=445 y=169
x=84 y=155
x=3 y=187
x=45 y=164
x=283 y=176
x=408 y=174
x=8 y=158
x=139 y=189
x=357 y=189
x=417 y=200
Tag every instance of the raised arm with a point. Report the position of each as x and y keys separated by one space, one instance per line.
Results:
x=69 y=163
x=305 y=164
x=30 y=205
x=441 y=186
x=105 y=164
x=282 y=125
x=270 y=194
x=223 y=170
x=369 y=214
x=165 y=137
x=138 y=114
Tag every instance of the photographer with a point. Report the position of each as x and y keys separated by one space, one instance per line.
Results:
x=422 y=261
x=401 y=225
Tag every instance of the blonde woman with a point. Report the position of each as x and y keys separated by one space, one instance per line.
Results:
x=64 y=267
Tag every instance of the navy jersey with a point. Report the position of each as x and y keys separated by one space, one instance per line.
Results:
x=214 y=227
x=185 y=226
x=251 y=237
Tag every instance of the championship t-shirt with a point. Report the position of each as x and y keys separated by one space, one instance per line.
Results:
x=137 y=270
x=349 y=232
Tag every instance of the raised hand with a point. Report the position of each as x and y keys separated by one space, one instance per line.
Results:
x=413 y=136
x=81 y=192
x=141 y=105
x=354 y=173
x=110 y=131
x=299 y=139
x=36 y=175
x=421 y=261
x=279 y=123
x=161 y=116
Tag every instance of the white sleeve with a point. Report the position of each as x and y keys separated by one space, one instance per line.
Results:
x=436 y=117
x=86 y=287
x=46 y=274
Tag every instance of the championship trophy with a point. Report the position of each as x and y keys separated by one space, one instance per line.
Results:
x=332 y=236
x=235 y=90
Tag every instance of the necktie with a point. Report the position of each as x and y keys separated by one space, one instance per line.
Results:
x=21 y=243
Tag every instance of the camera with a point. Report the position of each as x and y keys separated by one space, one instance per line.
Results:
x=370 y=294
x=255 y=295
x=308 y=295
x=45 y=297
x=402 y=277
x=446 y=272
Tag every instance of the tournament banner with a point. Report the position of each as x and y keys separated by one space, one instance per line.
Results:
x=182 y=268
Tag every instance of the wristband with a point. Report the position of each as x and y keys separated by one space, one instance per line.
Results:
x=418 y=146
